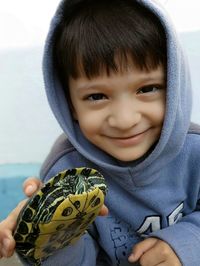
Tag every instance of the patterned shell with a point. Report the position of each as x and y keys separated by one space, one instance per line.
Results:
x=59 y=213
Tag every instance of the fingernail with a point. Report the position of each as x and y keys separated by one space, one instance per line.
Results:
x=131 y=258
x=30 y=189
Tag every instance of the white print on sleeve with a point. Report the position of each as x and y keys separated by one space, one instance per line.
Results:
x=154 y=222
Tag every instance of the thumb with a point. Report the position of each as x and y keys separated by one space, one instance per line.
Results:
x=103 y=211
x=142 y=247
x=31 y=185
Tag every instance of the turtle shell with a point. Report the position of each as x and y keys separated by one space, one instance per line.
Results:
x=59 y=213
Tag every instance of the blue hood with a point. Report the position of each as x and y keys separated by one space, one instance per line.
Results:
x=178 y=106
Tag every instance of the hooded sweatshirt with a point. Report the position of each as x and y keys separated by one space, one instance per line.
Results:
x=157 y=196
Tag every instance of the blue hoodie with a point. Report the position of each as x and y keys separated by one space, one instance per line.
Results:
x=157 y=196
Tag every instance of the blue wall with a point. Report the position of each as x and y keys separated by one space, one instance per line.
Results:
x=12 y=177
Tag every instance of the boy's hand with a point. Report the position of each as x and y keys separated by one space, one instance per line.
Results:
x=153 y=251
x=7 y=226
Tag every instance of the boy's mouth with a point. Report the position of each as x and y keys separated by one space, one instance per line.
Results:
x=129 y=140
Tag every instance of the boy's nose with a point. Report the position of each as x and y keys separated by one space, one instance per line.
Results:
x=124 y=117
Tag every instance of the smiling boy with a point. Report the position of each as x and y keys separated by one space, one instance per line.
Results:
x=118 y=83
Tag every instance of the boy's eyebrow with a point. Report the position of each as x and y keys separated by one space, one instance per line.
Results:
x=152 y=79
x=146 y=79
x=92 y=86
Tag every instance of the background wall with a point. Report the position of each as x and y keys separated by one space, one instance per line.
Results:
x=28 y=127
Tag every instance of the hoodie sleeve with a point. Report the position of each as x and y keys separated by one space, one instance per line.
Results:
x=184 y=238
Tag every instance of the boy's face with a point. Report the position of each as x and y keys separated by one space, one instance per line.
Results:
x=122 y=114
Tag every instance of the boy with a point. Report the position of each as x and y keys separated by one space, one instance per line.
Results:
x=118 y=84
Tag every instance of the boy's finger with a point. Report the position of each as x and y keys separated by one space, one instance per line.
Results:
x=142 y=247
x=31 y=185
x=103 y=211
x=7 y=247
x=7 y=242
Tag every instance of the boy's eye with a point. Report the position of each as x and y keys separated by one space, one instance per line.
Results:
x=149 y=89
x=96 y=97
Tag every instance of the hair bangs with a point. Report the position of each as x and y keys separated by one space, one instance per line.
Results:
x=105 y=38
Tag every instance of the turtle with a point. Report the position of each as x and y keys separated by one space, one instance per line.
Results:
x=59 y=213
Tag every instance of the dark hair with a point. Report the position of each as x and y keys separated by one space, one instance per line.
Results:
x=103 y=35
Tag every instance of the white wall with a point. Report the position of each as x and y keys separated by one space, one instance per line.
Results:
x=28 y=127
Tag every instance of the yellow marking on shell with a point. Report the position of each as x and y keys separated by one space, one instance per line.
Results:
x=46 y=230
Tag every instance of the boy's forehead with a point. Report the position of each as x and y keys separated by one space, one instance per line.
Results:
x=130 y=75
x=124 y=64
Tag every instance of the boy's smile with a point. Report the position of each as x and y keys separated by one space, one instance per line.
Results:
x=123 y=113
